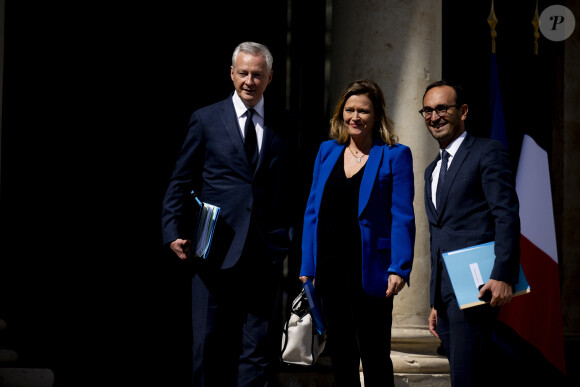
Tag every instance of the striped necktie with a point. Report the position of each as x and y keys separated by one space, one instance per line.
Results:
x=442 y=173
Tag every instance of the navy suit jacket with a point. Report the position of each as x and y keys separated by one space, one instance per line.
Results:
x=479 y=204
x=385 y=213
x=213 y=163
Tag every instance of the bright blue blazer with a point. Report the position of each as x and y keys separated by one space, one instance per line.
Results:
x=385 y=213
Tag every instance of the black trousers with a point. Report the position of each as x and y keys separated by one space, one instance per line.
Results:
x=234 y=312
x=467 y=337
x=358 y=325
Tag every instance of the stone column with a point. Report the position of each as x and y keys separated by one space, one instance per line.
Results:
x=398 y=45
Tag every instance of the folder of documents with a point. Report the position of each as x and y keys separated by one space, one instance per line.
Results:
x=470 y=268
x=314 y=306
x=206 y=221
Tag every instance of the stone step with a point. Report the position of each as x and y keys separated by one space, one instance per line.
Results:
x=26 y=377
x=19 y=376
x=422 y=380
x=414 y=371
x=413 y=363
x=8 y=355
x=320 y=379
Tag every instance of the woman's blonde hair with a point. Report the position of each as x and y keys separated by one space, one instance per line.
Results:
x=383 y=127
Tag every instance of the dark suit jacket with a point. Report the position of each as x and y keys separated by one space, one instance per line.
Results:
x=385 y=208
x=213 y=163
x=478 y=204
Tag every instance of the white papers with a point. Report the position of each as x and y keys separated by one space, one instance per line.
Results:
x=206 y=221
x=476 y=275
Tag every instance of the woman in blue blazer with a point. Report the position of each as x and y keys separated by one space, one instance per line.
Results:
x=359 y=233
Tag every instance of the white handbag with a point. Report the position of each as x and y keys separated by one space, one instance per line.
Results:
x=303 y=340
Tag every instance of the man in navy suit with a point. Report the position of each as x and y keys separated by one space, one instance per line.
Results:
x=475 y=203
x=246 y=162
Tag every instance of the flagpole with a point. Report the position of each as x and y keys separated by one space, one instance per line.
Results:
x=497 y=129
x=492 y=21
x=536 y=24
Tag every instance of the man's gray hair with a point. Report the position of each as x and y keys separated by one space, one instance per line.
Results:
x=254 y=48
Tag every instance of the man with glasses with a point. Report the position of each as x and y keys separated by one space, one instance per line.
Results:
x=470 y=199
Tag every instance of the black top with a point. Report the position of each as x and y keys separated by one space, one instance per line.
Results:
x=338 y=226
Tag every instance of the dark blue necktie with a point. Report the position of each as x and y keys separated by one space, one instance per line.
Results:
x=251 y=140
x=442 y=173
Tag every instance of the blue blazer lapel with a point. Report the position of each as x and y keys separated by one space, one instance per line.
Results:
x=369 y=176
x=458 y=160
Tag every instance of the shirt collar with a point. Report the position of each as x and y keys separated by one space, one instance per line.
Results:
x=452 y=148
x=241 y=108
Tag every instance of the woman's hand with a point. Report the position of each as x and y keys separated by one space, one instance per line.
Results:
x=303 y=278
x=395 y=285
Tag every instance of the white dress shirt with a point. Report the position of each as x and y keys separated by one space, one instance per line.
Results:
x=258 y=117
x=451 y=149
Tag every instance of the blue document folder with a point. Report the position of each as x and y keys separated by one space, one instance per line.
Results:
x=471 y=267
x=205 y=225
x=314 y=306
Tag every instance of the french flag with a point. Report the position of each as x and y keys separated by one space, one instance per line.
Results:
x=537 y=316
x=530 y=326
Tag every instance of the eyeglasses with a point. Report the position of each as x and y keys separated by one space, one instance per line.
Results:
x=441 y=110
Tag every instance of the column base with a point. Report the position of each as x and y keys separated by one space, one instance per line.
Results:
x=422 y=380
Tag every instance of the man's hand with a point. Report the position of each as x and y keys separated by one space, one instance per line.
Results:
x=181 y=248
x=501 y=292
x=433 y=322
